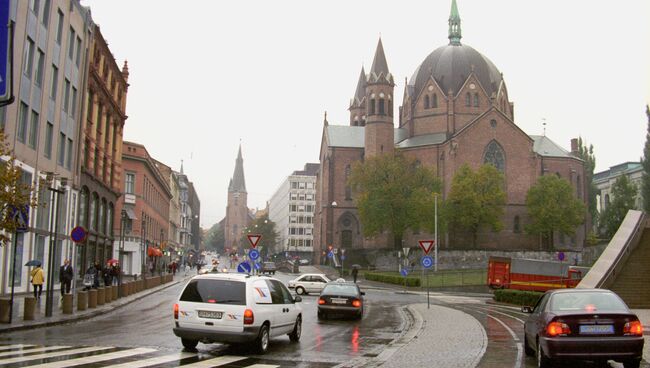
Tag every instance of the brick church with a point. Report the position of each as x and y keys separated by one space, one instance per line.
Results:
x=455 y=110
x=238 y=216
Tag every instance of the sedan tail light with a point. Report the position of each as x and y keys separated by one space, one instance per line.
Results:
x=175 y=311
x=557 y=329
x=249 y=318
x=356 y=303
x=634 y=328
x=321 y=301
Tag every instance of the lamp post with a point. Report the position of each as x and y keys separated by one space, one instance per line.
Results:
x=54 y=225
x=121 y=254
x=330 y=226
x=142 y=249
x=162 y=250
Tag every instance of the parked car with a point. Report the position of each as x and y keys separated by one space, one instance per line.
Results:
x=341 y=298
x=269 y=267
x=308 y=283
x=236 y=308
x=584 y=324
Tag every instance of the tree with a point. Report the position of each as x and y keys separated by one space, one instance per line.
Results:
x=645 y=161
x=215 y=238
x=623 y=199
x=476 y=199
x=393 y=193
x=553 y=206
x=265 y=227
x=15 y=193
x=587 y=155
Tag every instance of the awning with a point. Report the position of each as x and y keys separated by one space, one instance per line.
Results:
x=130 y=214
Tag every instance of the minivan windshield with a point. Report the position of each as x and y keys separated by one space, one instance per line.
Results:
x=215 y=291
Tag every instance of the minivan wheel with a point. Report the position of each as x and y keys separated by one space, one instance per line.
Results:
x=189 y=344
x=297 y=330
x=262 y=342
x=542 y=360
x=632 y=363
x=300 y=290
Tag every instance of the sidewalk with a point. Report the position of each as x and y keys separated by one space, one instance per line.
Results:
x=59 y=318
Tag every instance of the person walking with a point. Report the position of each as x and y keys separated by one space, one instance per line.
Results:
x=116 y=273
x=355 y=272
x=91 y=278
x=66 y=275
x=38 y=279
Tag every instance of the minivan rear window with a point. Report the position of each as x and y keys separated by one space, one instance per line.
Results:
x=215 y=291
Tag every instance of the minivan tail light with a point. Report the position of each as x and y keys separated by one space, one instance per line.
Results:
x=175 y=311
x=633 y=328
x=557 y=329
x=356 y=303
x=249 y=318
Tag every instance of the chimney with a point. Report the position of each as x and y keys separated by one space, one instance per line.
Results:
x=574 y=146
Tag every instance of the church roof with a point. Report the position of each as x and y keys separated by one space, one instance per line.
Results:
x=353 y=136
x=238 y=183
x=545 y=147
x=423 y=140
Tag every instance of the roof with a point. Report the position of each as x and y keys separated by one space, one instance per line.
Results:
x=353 y=136
x=379 y=64
x=543 y=146
x=624 y=168
x=423 y=140
x=238 y=182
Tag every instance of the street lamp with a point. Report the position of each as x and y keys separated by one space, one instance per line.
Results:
x=54 y=225
x=121 y=255
x=330 y=226
x=142 y=248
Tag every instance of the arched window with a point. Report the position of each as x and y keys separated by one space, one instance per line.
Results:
x=83 y=207
x=382 y=110
x=579 y=187
x=426 y=102
x=495 y=156
x=390 y=107
x=468 y=99
x=109 y=220
x=101 y=216
x=348 y=189
x=434 y=101
x=93 y=212
x=476 y=100
x=372 y=107
x=517 y=225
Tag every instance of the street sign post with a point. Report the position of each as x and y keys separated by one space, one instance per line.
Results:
x=427 y=262
x=78 y=234
x=426 y=245
x=6 y=54
x=254 y=239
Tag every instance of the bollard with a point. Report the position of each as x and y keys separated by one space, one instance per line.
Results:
x=28 y=313
x=82 y=300
x=92 y=298
x=4 y=310
x=123 y=290
x=67 y=303
x=115 y=293
x=129 y=288
x=101 y=296
x=108 y=294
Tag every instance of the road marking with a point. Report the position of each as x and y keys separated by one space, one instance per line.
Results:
x=154 y=361
x=222 y=360
x=53 y=355
x=505 y=314
x=33 y=350
x=96 y=358
x=9 y=347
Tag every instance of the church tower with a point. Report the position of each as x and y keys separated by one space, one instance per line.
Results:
x=379 y=130
x=237 y=217
x=358 y=103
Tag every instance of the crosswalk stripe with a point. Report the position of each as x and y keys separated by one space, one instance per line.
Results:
x=154 y=361
x=263 y=366
x=53 y=355
x=32 y=350
x=222 y=360
x=9 y=347
x=96 y=358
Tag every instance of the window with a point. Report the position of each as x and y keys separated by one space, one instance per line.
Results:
x=426 y=102
x=33 y=130
x=494 y=155
x=78 y=57
x=71 y=43
x=301 y=185
x=68 y=160
x=309 y=197
x=34 y=6
x=100 y=217
x=94 y=208
x=434 y=100
x=348 y=189
x=61 y=156
x=468 y=99
x=293 y=196
x=294 y=185
x=517 y=225
x=310 y=185
x=476 y=100
x=381 y=107
x=372 y=106
x=28 y=62
x=390 y=107
x=59 y=27
x=66 y=95
x=40 y=64
x=73 y=108
x=21 y=132
x=130 y=183
x=55 y=82
x=49 y=131
x=45 y=19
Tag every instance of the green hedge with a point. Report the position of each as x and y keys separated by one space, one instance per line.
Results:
x=392 y=279
x=518 y=297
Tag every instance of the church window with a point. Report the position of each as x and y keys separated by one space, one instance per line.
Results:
x=468 y=99
x=494 y=156
x=372 y=107
x=476 y=100
x=579 y=187
x=517 y=225
x=348 y=189
x=426 y=102
x=381 y=107
x=390 y=107
x=493 y=123
x=434 y=101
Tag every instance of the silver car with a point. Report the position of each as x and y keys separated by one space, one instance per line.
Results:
x=309 y=283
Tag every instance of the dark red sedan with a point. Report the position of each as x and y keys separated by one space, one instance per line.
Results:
x=582 y=324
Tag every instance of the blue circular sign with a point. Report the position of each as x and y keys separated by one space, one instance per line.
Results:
x=560 y=256
x=330 y=254
x=342 y=257
x=244 y=267
x=254 y=254
x=404 y=272
x=427 y=262
x=78 y=234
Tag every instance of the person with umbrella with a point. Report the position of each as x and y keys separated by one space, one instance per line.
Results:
x=66 y=274
x=38 y=278
x=355 y=272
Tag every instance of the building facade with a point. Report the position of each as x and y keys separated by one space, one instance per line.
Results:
x=604 y=181
x=51 y=43
x=292 y=209
x=194 y=227
x=237 y=214
x=455 y=110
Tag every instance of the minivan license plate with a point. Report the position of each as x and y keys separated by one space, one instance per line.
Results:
x=597 y=329
x=210 y=314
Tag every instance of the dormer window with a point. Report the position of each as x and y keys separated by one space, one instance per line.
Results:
x=434 y=101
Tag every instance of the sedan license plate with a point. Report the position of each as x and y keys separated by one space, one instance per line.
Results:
x=210 y=314
x=339 y=301
x=596 y=329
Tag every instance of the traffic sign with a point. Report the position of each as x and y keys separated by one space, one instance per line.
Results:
x=560 y=256
x=21 y=218
x=254 y=254
x=5 y=54
x=427 y=262
x=254 y=239
x=427 y=245
x=258 y=266
x=406 y=251
x=404 y=272
x=244 y=267
x=78 y=234
x=336 y=250
x=330 y=254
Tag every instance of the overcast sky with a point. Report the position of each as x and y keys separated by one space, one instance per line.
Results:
x=207 y=75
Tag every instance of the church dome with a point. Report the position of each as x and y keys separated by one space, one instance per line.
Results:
x=450 y=66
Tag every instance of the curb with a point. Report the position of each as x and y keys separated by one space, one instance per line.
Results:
x=87 y=316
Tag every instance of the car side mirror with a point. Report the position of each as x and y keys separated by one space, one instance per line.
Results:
x=526 y=309
x=297 y=299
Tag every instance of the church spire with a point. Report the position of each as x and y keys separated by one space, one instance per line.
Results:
x=454 y=25
x=238 y=183
x=379 y=64
x=361 y=86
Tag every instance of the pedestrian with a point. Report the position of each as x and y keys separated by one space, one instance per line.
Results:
x=98 y=274
x=37 y=280
x=66 y=275
x=355 y=272
x=187 y=268
x=116 y=272
x=106 y=275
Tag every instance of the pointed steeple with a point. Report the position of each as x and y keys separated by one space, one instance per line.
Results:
x=454 y=25
x=379 y=64
x=238 y=183
x=181 y=167
x=361 y=87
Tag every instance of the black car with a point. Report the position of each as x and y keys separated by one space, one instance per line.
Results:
x=341 y=298
x=582 y=324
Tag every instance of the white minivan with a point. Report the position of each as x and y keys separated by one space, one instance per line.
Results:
x=236 y=308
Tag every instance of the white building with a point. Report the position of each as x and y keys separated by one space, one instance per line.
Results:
x=604 y=181
x=292 y=210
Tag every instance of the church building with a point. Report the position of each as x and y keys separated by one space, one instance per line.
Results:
x=238 y=215
x=455 y=110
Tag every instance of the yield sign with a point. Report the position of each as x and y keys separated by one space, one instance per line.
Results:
x=254 y=239
x=426 y=245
